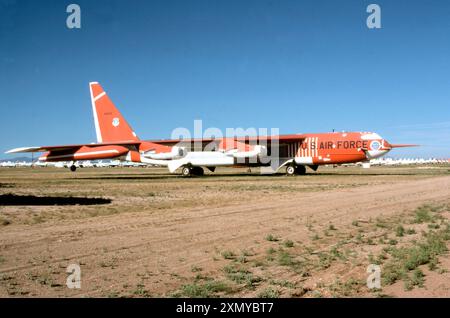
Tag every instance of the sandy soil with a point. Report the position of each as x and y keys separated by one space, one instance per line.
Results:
x=152 y=242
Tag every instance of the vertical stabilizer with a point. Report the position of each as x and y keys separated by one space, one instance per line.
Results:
x=110 y=125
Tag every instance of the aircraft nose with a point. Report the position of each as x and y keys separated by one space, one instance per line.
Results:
x=377 y=148
x=386 y=145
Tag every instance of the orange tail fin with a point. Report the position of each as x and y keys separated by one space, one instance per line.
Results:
x=110 y=125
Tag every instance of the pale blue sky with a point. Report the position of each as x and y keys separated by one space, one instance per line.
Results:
x=300 y=66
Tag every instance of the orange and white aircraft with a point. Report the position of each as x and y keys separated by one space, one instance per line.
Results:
x=117 y=140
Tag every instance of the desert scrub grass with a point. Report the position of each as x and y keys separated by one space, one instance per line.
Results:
x=399 y=231
x=43 y=278
x=196 y=269
x=271 y=251
x=247 y=253
x=345 y=289
x=337 y=254
x=228 y=255
x=242 y=259
x=259 y=263
x=272 y=238
x=423 y=214
x=240 y=275
x=283 y=283
x=392 y=242
x=112 y=263
x=208 y=289
x=359 y=238
x=381 y=223
x=406 y=259
x=286 y=259
x=325 y=260
x=269 y=292
x=140 y=291
x=288 y=243
x=418 y=278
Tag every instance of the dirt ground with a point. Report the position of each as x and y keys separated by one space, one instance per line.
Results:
x=141 y=232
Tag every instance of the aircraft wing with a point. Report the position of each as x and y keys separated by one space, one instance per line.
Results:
x=44 y=148
x=281 y=138
x=68 y=147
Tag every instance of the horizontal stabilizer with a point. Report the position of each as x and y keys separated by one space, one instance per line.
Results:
x=70 y=147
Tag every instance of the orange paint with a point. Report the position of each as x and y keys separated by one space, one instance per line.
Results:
x=85 y=153
x=110 y=123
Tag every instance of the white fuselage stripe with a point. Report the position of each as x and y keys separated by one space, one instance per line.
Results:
x=75 y=155
x=316 y=148
x=308 y=152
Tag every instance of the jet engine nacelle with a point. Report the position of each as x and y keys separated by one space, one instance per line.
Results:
x=175 y=153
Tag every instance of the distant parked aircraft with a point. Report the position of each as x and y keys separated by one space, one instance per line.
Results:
x=117 y=140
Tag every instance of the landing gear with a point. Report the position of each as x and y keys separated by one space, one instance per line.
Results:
x=198 y=171
x=73 y=168
x=192 y=171
x=186 y=172
x=300 y=170
x=292 y=170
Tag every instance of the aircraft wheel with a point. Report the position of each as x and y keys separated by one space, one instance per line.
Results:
x=290 y=170
x=300 y=170
x=186 y=172
x=73 y=168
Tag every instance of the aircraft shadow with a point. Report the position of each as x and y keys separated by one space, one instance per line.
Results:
x=231 y=175
x=132 y=177
x=6 y=185
x=171 y=176
x=13 y=200
x=362 y=174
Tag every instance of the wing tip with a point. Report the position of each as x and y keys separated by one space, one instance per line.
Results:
x=22 y=149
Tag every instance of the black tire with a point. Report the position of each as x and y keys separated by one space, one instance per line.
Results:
x=300 y=170
x=290 y=170
x=73 y=168
x=198 y=171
